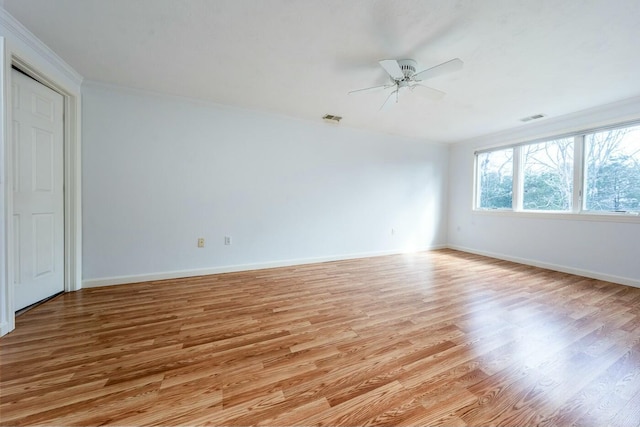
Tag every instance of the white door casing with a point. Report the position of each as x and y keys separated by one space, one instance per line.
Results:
x=38 y=199
x=19 y=47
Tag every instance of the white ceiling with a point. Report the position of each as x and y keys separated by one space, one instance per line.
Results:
x=301 y=57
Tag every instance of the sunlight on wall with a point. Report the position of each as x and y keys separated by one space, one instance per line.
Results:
x=428 y=218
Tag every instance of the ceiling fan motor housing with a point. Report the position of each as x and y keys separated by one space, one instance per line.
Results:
x=408 y=67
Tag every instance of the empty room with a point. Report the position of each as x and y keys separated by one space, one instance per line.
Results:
x=329 y=212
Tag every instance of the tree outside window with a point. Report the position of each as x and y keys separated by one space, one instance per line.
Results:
x=612 y=170
x=495 y=176
x=609 y=160
x=548 y=175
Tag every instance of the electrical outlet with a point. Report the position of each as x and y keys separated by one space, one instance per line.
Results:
x=227 y=240
x=201 y=242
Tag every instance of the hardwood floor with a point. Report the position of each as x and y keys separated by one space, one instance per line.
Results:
x=436 y=338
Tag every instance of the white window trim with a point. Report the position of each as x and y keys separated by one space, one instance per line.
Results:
x=584 y=216
x=517 y=198
x=577 y=207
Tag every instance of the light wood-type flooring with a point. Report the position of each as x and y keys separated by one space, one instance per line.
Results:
x=434 y=338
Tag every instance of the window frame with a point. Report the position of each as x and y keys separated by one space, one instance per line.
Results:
x=578 y=208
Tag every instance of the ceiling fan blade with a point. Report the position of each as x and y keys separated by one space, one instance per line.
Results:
x=370 y=89
x=446 y=67
x=392 y=67
x=428 y=92
x=391 y=99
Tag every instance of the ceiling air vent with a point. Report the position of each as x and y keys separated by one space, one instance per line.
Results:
x=331 y=118
x=534 y=117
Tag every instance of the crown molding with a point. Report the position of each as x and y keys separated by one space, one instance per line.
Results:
x=20 y=32
x=623 y=111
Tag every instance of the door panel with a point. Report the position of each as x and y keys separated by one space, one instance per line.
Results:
x=38 y=191
x=43 y=161
x=43 y=244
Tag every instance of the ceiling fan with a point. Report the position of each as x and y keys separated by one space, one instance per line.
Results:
x=403 y=76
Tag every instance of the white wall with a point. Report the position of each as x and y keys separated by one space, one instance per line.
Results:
x=160 y=171
x=595 y=248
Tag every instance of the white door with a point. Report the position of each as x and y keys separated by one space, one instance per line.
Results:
x=38 y=207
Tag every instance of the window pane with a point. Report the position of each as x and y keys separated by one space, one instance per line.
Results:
x=548 y=175
x=495 y=179
x=612 y=170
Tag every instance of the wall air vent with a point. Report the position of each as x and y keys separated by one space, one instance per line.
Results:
x=331 y=118
x=534 y=117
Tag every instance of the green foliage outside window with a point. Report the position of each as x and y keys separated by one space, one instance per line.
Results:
x=611 y=165
x=613 y=170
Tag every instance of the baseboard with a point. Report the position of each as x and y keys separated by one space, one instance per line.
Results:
x=120 y=280
x=4 y=328
x=555 y=267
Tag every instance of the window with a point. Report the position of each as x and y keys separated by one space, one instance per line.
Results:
x=612 y=170
x=495 y=176
x=548 y=175
x=589 y=172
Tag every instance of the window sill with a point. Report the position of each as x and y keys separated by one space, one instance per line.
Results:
x=584 y=216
